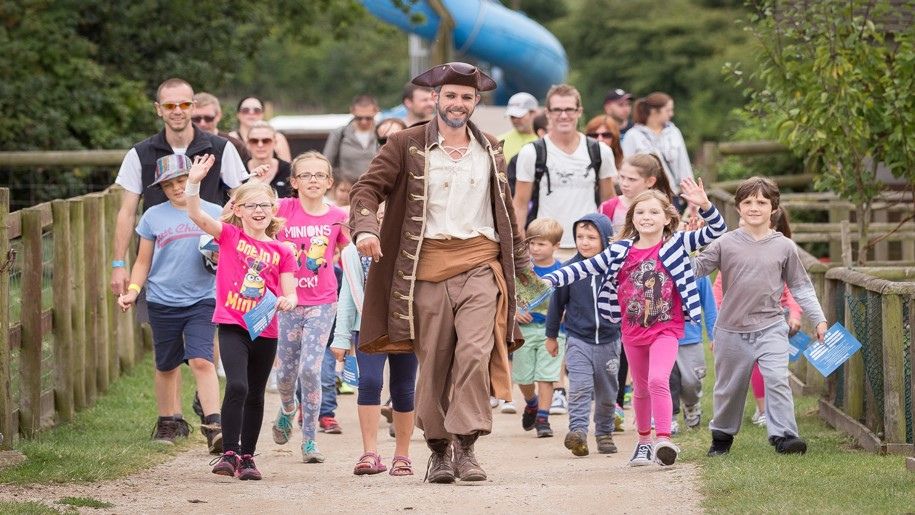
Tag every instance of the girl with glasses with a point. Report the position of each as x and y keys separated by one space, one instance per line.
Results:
x=249 y=111
x=261 y=145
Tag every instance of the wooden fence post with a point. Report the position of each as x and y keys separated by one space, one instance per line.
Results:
x=92 y=255
x=112 y=202
x=6 y=395
x=710 y=156
x=893 y=370
x=836 y=215
x=854 y=367
x=30 y=319
x=835 y=312
x=63 y=329
x=78 y=299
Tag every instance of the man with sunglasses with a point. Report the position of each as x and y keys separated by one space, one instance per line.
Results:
x=442 y=281
x=351 y=148
x=207 y=115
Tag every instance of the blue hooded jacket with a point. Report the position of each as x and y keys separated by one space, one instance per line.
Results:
x=578 y=301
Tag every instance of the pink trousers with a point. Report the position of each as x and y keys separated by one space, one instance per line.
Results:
x=650 y=366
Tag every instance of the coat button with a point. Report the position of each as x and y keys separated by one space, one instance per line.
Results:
x=364 y=212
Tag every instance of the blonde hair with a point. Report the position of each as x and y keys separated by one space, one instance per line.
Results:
x=629 y=231
x=261 y=124
x=563 y=90
x=246 y=191
x=545 y=228
x=311 y=155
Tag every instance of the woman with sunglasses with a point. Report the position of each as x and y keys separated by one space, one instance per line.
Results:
x=261 y=144
x=607 y=131
x=251 y=110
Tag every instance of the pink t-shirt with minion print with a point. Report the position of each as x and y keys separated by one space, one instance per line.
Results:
x=316 y=239
x=247 y=268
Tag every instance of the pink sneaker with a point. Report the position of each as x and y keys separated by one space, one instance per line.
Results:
x=247 y=470
x=226 y=465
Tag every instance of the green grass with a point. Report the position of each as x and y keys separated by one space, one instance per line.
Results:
x=26 y=508
x=109 y=440
x=832 y=477
x=85 y=502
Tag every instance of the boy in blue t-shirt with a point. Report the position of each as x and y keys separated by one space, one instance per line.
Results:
x=180 y=296
x=536 y=366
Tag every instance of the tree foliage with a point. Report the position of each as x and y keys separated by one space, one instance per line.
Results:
x=836 y=79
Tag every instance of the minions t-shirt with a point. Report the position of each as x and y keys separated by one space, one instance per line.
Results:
x=247 y=269
x=316 y=238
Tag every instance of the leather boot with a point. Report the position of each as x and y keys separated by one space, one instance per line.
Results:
x=465 y=463
x=439 y=469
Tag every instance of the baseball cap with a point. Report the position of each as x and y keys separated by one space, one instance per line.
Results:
x=616 y=94
x=520 y=104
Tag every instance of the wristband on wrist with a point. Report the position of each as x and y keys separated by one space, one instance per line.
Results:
x=192 y=189
x=134 y=287
x=118 y=263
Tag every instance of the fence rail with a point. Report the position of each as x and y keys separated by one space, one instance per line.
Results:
x=61 y=322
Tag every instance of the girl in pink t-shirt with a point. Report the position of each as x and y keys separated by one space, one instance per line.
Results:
x=638 y=173
x=253 y=267
x=314 y=230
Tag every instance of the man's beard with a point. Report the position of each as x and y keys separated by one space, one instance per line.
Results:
x=454 y=124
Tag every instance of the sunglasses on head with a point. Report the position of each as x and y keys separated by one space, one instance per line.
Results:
x=605 y=135
x=170 y=106
x=251 y=110
x=260 y=141
x=203 y=118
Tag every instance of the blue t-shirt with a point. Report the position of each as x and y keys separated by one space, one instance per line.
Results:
x=177 y=276
x=539 y=313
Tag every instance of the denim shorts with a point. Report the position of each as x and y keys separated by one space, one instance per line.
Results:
x=182 y=333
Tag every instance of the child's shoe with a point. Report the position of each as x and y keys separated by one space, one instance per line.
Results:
x=282 y=426
x=560 y=405
x=528 y=417
x=310 y=452
x=605 y=444
x=759 y=418
x=627 y=396
x=166 y=430
x=692 y=415
x=247 y=470
x=493 y=402
x=619 y=418
x=788 y=444
x=577 y=442
x=225 y=465
x=543 y=428
x=674 y=427
x=330 y=425
x=665 y=452
x=721 y=443
x=641 y=456
x=508 y=407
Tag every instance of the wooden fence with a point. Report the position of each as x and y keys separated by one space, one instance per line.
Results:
x=63 y=340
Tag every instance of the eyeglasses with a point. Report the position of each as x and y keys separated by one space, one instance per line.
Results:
x=604 y=135
x=254 y=207
x=363 y=118
x=260 y=141
x=382 y=141
x=251 y=110
x=312 y=176
x=170 y=106
x=559 y=111
x=203 y=118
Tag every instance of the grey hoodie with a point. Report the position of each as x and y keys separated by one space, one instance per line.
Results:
x=668 y=145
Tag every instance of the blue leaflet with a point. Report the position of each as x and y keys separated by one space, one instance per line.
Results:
x=796 y=345
x=261 y=315
x=837 y=347
x=351 y=371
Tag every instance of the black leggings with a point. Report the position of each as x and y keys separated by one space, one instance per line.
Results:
x=247 y=365
x=621 y=377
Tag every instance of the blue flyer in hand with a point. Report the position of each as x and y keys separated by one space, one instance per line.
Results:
x=796 y=345
x=837 y=347
x=351 y=371
x=261 y=314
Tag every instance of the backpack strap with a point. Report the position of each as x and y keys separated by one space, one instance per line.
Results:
x=540 y=168
x=596 y=163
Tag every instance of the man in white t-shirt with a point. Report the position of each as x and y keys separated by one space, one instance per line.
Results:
x=175 y=105
x=571 y=178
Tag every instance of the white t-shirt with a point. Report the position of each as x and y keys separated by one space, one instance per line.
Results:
x=571 y=182
x=232 y=170
x=364 y=137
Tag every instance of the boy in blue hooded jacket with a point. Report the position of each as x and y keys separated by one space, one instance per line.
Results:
x=592 y=344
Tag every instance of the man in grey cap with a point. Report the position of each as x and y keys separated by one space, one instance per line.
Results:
x=618 y=105
x=521 y=110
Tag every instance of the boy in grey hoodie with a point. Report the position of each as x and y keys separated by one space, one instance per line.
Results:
x=756 y=262
x=592 y=344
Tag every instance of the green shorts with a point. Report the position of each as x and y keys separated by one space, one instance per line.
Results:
x=532 y=363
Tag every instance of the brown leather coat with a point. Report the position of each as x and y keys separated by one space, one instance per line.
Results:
x=397 y=176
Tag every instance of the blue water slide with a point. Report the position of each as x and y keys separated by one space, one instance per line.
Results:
x=528 y=56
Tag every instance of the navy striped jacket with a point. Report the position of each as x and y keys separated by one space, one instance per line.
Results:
x=674 y=255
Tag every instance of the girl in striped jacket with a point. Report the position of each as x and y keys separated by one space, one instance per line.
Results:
x=651 y=291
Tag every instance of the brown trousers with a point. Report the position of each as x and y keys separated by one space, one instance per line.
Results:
x=455 y=322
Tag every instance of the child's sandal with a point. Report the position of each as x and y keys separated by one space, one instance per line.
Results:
x=401 y=466
x=369 y=463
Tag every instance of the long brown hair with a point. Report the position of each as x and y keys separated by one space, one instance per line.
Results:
x=649 y=165
x=605 y=121
x=248 y=190
x=780 y=222
x=629 y=231
x=645 y=105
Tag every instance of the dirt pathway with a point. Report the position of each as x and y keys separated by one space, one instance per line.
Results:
x=526 y=475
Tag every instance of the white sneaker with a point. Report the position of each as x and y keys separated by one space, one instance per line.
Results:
x=560 y=405
x=759 y=418
x=665 y=452
x=674 y=427
x=493 y=402
x=271 y=382
x=642 y=455
x=508 y=407
x=220 y=370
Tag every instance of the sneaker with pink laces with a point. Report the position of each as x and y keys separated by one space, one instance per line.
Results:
x=247 y=470
x=226 y=465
